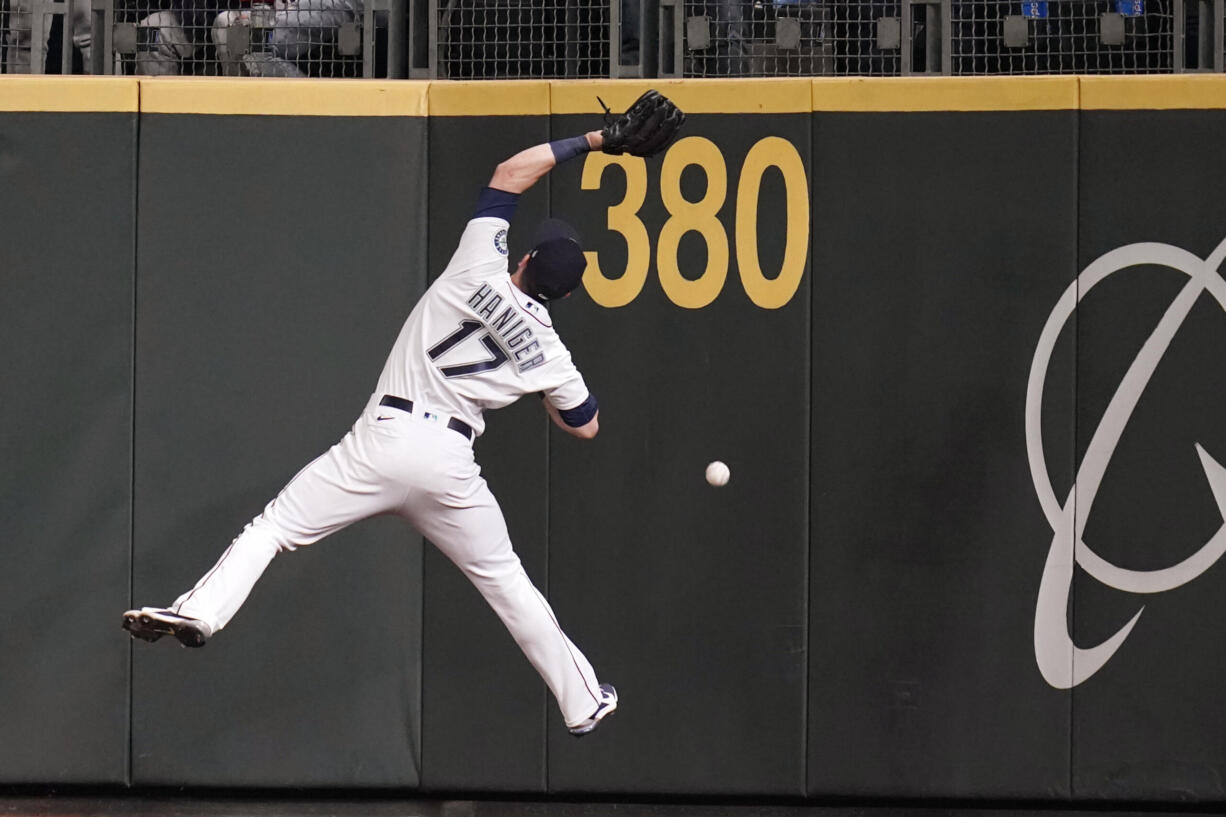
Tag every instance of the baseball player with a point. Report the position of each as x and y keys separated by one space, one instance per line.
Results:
x=478 y=339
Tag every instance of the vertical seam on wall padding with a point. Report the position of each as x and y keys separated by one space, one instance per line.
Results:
x=1076 y=401
x=424 y=215
x=808 y=570
x=416 y=720
x=544 y=698
x=421 y=635
x=132 y=432
x=419 y=739
x=548 y=485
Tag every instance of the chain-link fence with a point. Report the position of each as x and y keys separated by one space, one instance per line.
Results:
x=1063 y=37
x=494 y=39
x=33 y=39
x=510 y=39
x=16 y=38
x=792 y=38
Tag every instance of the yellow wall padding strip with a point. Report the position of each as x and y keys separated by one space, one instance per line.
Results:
x=284 y=97
x=1196 y=91
x=69 y=94
x=301 y=97
x=496 y=98
x=946 y=94
x=691 y=95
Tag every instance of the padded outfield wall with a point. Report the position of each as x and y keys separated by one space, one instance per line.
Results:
x=960 y=341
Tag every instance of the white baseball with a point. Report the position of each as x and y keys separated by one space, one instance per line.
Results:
x=718 y=474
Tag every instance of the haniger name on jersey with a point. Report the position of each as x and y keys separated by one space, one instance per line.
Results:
x=513 y=333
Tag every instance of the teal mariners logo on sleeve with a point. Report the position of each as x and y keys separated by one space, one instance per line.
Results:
x=500 y=242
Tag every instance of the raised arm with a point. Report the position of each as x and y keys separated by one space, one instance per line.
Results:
x=524 y=169
x=647 y=128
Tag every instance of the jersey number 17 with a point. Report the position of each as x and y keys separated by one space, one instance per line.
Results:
x=467 y=328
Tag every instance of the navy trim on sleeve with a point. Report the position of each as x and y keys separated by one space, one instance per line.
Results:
x=581 y=414
x=494 y=203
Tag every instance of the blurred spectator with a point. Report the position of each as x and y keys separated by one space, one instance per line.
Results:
x=175 y=37
x=298 y=32
x=17 y=36
x=237 y=32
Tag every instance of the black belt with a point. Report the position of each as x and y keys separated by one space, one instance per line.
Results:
x=454 y=424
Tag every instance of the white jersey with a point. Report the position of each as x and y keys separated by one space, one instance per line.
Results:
x=475 y=341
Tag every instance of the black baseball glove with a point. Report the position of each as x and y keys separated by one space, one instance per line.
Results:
x=647 y=128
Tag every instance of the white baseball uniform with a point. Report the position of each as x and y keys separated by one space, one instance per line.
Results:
x=473 y=342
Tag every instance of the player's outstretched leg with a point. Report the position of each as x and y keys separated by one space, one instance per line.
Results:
x=470 y=530
x=335 y=490
x=202 y=611
x=528 y=616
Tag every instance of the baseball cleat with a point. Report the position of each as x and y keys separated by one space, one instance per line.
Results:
x=151 y=623
x=608 y=705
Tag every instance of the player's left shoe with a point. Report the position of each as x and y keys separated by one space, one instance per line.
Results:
x=151 y=623
x=606 y=707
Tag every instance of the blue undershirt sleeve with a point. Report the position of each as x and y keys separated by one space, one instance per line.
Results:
x=496 y=204
x=581 y=414
x=564 y=149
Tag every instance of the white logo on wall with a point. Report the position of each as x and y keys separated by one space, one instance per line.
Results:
x=1062 y=663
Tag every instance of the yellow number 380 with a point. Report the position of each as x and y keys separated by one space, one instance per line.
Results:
x=702 y=217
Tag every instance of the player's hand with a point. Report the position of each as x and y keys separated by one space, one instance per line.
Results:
x=650 y=126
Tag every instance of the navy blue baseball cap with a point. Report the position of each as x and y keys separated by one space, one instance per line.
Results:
x=556 y=263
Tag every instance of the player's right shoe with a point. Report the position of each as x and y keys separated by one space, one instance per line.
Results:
x=606 y=707
x=151 y=623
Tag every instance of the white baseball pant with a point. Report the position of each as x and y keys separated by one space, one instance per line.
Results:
x=426 y=473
